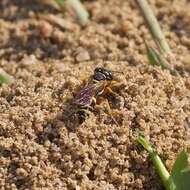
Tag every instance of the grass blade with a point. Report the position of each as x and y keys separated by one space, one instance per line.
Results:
x=5 y=78
x=154 y=26
x=156 y=58
x=158 y=164
x=77 y=7
x=181 y=173
x=60 y=2
x=153 y=57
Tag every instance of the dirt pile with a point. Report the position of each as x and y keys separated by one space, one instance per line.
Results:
x=50 y=57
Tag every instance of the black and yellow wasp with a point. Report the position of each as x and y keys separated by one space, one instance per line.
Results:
x=99 y=84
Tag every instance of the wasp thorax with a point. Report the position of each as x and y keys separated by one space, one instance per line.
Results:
x=102 y=74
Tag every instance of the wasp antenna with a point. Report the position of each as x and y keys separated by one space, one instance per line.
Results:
x=118 y=72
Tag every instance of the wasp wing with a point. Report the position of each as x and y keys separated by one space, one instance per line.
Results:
x=84 y=98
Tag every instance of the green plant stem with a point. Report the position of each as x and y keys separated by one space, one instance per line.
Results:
x=158 y=164
x=5 y=78
x=162 y=171
x=154 y=26
x=60 y=2
x=77 y=7
x=156 y=58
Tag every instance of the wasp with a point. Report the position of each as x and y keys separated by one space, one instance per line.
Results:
x=99 y=84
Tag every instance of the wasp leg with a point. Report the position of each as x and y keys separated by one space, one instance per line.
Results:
x=93 y=102
x=114 y=82
x=110 y=113
x=108 y=89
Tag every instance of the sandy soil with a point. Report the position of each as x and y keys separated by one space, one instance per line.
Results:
x=50 y=57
